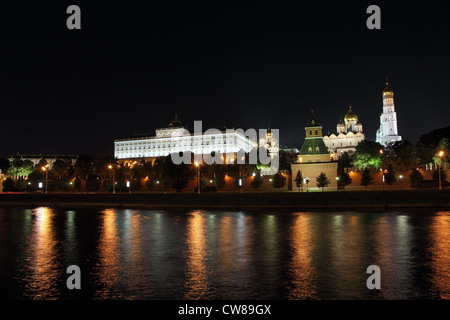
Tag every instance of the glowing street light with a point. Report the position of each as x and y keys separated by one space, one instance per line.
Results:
x=198 y=176
x=307 y=180
x=45 y=169
x=441 y=154
x=110 y=167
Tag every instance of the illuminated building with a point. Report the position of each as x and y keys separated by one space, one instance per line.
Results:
x=50 y=158
x=175 y=138
x=388 y=131
x=272 y=145
x=349 y=135
x=314 y=157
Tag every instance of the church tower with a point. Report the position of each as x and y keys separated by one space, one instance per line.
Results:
x=314 y=149
x=388 y=131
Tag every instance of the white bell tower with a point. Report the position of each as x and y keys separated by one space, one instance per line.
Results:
x=388 y=131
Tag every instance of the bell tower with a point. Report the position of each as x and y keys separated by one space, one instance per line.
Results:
x=388 y=131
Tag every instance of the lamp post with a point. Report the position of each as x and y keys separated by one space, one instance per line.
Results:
x=307 y=183
x=114 y=181
x=45 y=169
x=198 y=177
x=382 y=169
x=441 y=154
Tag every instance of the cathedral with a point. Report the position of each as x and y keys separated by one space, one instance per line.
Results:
x=349 y=135
x=388 y=131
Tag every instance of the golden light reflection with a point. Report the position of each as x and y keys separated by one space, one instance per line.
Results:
x=108 y=251
x=137 y=255
x=197 y=271
x=393 y=243
x=440 y=231
x=227 y=245
x=301 y=269
x=44 y=265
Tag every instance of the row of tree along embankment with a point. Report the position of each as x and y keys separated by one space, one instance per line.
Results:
x=241 y=201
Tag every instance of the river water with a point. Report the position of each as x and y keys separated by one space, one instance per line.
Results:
x=149 y=254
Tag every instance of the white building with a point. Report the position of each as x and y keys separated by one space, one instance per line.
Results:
x=273 y=148
x=388 y=131
x=349 y=135
x=176 y=139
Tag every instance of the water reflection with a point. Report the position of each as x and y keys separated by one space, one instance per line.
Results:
x=43 y=265
x=108 y=266
x=197 y=271
x=441 y=255
x=136 y=254
x=300 y=268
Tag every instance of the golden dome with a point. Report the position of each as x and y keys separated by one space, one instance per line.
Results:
x=351 y=116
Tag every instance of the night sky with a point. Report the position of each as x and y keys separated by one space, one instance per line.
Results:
x=228 y=64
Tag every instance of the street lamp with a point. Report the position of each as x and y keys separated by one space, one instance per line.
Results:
x=441 y=154
x=382 y=170
x=114 y=181
x=198 y=177
x=45 y=169
x=307 y=183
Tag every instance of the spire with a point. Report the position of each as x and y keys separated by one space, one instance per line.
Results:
x=175 y=122
x=387 y=89
x=176 y=109
x=313 y=122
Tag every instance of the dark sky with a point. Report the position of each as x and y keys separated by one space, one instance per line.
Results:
x=227 y=64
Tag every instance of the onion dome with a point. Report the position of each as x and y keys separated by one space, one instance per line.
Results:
x=351 y=116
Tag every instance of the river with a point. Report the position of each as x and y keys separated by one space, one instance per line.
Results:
x=184 y=254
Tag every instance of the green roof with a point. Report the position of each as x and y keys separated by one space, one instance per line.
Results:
x=313 y=146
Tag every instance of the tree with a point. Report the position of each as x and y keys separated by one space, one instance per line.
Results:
x=257 y=182
x=279 y=181
x=344 y=161
x=60 y=168
x=416 y=178
x=286 y=158
x=322 y=181
x=20 y=185
x=20 y=168
x=436 y=175
x=367 y=155
x=8 y=185
x=344 y=179
x=442 y=156
x=390 y=177
x=298 y=180
x=366 y=178
x=178 y=175
x=403 y=155
x=83 y=167
x=4 y=165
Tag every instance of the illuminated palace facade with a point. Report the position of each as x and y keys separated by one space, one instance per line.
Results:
x=175 y=139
